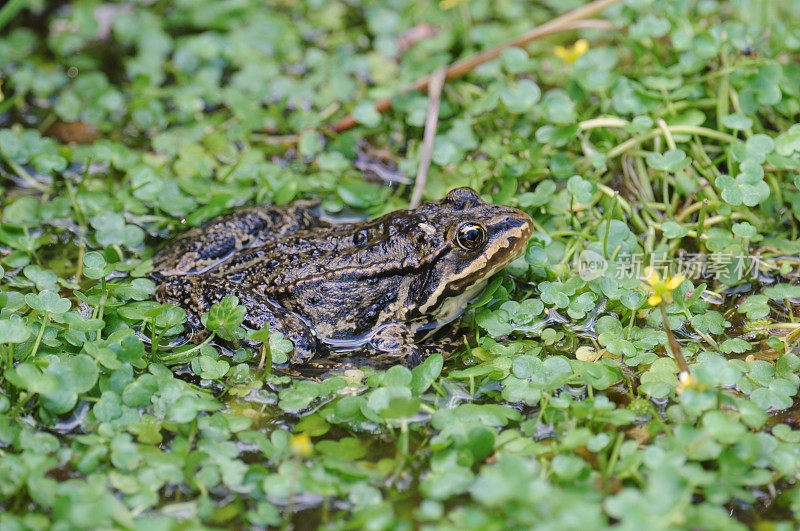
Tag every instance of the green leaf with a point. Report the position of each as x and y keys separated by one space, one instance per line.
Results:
x=95 y=265
x=777 y=396
x=581 y=190
x=14 y=330
x=557 y=107
x=660 y=379
x=209 y=368
x=279 y=347
x=423 y=375
x=724 y=428
x=366 y=114
x=673 y=160
x=673 y=230
x=782 y=291
x=225 y=317
x=521 y=97
x=310 y=144
x=788 y=142
x=111 y=229
x=29 y=377
x=737 y=121
x=755 y=307
x=48 y=302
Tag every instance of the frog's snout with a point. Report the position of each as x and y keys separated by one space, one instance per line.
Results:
x=516 y=227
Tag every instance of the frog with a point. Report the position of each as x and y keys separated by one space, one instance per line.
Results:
x=379 y=288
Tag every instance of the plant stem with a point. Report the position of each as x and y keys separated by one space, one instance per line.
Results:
x=674 y=346
x=567 y=21
x=25 y=176
x=179 y=355
x=675 y=129
x=35 y=348
x=10 y=10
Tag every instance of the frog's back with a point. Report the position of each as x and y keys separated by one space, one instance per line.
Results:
x=201 y=249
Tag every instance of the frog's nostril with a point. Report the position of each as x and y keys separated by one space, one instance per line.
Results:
x=517 y=221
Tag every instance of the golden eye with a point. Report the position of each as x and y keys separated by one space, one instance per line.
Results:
x=470 y=236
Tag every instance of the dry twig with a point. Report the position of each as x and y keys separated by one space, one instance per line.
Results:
x=431 y=121
x=567 y=21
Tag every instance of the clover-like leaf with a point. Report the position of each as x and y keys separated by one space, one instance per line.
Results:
x=673 y=160
x=650 y=25
x=617 y=344
x=788 y=142
x=14 y=330
x=522 y=96
x=755 y=307
x=95 y=265
x=279 y=347
x=710 y=322
x=734 y=344
x=225 y=317
x=540 y=196
x=553 y=293
x=515 y=60
x=557 y=107
x=43 y=278
x=737 y=121
x=745 y=230
x=31 y=378
x=755 y=149
x=510 y=316
x=556 y=136
x=747 y=189
x=111 y=229
x=673 y=230
x=48 y=302
x=777 y=396
x=365 y=113
x=723 y=427
x=580 y=189
x=581 y=305
x=75 y=375
x=209 y=368
x=783 y=291
x=660 y=379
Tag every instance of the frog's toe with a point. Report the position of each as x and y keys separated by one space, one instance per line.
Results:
x=394 y=343
x=304 y=350
x=414 y=358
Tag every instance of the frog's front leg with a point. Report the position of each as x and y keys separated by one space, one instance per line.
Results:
x=395 y=342
x=196 y=295
x=200 y=248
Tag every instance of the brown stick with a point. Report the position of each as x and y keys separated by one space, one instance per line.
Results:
x=674 y=346
x=567 y=21
x=428 y=138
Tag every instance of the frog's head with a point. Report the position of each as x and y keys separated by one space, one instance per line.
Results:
x=475 y=240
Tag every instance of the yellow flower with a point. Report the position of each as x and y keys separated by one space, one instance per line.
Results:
x=661 y=289
x=685 y=381
x=449 y=4
x=569 y=55
x=300 y=445
x=587 y=353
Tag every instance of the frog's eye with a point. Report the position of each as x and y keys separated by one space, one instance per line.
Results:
x=470 y=236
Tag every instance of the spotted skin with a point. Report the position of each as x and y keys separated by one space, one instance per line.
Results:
x=374 y=288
